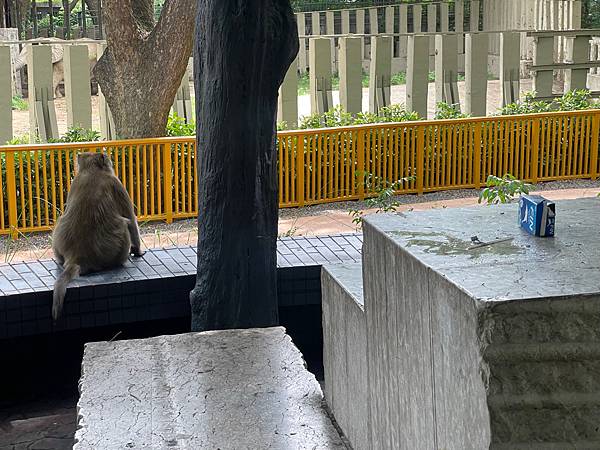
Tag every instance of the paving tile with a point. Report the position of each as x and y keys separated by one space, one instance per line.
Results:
x=155 y=285
x=21 y=268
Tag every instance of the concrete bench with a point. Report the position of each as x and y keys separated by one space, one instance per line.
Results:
x=237 y=389
x=345 y=350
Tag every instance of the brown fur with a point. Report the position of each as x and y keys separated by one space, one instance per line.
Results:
x=98 y=229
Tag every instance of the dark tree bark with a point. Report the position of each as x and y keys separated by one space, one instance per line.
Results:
x=2 y=14
x=143 y=64
x=242 y=52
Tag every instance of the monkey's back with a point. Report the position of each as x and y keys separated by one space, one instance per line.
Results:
x=92 y=233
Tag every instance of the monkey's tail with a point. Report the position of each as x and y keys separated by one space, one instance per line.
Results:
x=60 y=288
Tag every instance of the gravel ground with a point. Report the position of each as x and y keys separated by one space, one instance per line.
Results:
x=405 y=199
x=184 y=232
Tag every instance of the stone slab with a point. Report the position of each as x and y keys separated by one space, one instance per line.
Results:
x=345 y=350
x=237 y=389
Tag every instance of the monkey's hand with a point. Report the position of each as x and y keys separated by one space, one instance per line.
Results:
x=135 y=251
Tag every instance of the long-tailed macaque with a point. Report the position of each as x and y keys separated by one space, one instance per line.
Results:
x=98 y=229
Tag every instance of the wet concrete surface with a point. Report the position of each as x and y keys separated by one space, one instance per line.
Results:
x=518 y=265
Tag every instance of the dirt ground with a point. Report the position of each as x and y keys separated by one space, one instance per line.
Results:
x=494 y=98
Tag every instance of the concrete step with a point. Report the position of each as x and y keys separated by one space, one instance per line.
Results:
x=237 y=389
x=345 y=350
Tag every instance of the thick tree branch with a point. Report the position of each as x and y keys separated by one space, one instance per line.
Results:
x=119 y=22
x=175 y=27
x=143 y=14
x=142 y=67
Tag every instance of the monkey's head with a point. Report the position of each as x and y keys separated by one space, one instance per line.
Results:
x=93 y=161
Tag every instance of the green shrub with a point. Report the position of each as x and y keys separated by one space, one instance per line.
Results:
x=177 y=126
x=445 y=111
x=503 y=190
x=575 y=100
x=337 y=117
x=19 y=104
x=570 y=101
x=19 y=140
x=78 y=134
x=384 y=200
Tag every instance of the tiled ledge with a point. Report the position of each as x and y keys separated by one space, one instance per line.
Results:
x=153 y=287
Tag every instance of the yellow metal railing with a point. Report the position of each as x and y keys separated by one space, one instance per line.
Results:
x=319 y=166
x=159 y=175
x=315 y=166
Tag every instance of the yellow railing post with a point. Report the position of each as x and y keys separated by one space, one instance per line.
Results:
x=11 y=194
x=477 y=149
x=420 y=158
x=535 y=149
x=595 y=147
x=167 y=183
x=300 y=168
x=360 y=164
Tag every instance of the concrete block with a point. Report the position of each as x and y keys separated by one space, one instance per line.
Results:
x=474 y=19
x=320 y=75
x=42 y=114
x=315 y=18
x=287 y=109
x=5 y=95
x=403 y=29
x=389 y=19
x=459 y=18
x=345 y=351
x=373 y=21
x=444 y=17
x=380 y=73
x=360 y=29
x=510 y=67
x=446 y=70
x=219 y=389
x=345 y=15
x=432 y=27
x=543 y=55
x=578 y=52
x=350 y=68
x=302 y=51
x=417 y=11
x=417 y=74
x=77 y=86
x=330 y=30
x=476 y=52
x=459 y=357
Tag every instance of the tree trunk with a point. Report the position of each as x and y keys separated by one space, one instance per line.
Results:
x=242 y=52
x=143 y=64
x=2 y=14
